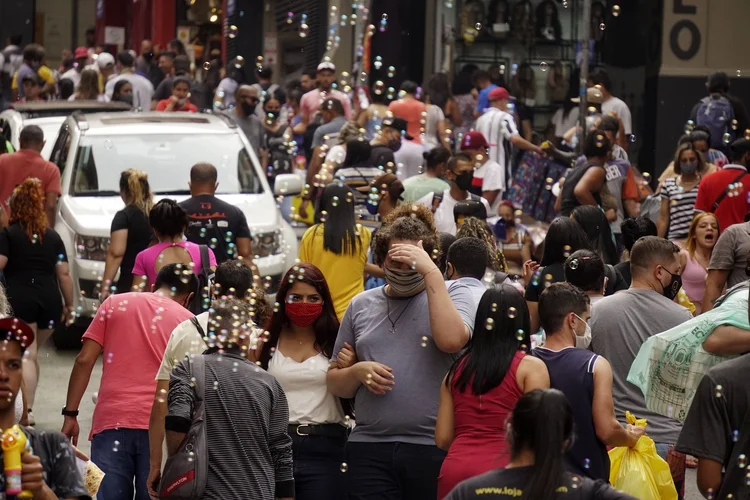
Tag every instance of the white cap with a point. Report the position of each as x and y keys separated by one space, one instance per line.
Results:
x=326 y=65
x=105 y=59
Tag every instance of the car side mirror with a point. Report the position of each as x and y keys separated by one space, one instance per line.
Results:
x=288 y=185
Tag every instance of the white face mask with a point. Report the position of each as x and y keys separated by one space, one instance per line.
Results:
x=583 y=341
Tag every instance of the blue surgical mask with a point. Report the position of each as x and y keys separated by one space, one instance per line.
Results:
x=372 y=208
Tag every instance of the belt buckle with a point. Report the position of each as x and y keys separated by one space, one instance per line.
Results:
x=299 y=427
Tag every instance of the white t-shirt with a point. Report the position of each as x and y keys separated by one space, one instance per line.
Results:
x=143 y=89
x=445 y=222
x=306 y=391
x=618 y=106
x=336 y=155
x=73 y=75
x=493 y=179
x=562 y=125
x=185 y=340
x=409 y=159
x=99 y=98
x=498 y=127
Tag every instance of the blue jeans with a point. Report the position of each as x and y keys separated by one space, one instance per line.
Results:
x=123 y=456
x=392 y=471
x=317 y=467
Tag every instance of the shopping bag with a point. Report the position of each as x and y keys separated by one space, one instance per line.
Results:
x=640 y=471
x=669 y=366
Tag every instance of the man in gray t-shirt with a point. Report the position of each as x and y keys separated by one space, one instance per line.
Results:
x=729 y=262
x=244 y=115
x=406 y=335
x=622 y=322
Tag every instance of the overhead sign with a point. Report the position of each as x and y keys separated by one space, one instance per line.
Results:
x=685 y=30
x=114 y=35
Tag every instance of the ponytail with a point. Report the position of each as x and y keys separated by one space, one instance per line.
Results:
x=138 y=193
x=542 y=422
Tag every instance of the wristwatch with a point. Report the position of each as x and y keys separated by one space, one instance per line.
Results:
x=69 y=413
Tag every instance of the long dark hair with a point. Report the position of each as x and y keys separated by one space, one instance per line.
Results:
x=564 y=237
x=502 y=325
x=326 y=327
x=340 y=233
x=438 y=90
x=542 y=422
x=596 y=226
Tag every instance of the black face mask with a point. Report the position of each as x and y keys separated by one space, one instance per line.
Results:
x=673 y=288
x=464 y=180
x=274 y=114
x=148 y=56
x=128 y=98
x=248 y=108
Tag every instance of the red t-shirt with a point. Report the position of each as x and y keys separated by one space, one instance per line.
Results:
x=17 y=167
x=733 y=207
x=189 y=106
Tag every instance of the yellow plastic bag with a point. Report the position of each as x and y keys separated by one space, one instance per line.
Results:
x=640 y=471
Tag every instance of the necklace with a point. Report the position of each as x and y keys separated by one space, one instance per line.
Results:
x=392 y=329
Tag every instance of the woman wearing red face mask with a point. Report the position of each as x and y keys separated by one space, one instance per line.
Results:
x=300 y=343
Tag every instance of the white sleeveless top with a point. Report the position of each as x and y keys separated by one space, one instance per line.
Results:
x=306 y=391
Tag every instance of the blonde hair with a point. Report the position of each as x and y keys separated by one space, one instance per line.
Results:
x=690 y=243
x=348 y=132
x=134 y=183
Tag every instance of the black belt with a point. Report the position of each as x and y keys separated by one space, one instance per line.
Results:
x=324 y=430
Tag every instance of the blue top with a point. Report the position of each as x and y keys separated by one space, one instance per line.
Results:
x=571 y=371
x=484 y=98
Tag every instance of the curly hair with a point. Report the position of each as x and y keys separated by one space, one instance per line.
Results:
x=27 y=208
x=475 y=228
x=407 y=222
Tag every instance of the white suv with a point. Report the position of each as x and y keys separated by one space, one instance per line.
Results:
x=91 y=150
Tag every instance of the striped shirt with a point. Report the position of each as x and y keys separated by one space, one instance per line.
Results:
x=681 y=208
x=246 y=414
x=498 y=127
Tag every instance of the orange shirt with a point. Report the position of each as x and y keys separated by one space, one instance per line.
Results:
x=410 y=110
x=17 y=167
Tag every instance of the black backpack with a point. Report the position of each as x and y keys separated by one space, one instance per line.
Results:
x=205 y=278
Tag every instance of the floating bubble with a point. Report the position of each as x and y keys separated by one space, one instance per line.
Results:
x=741 y=461
x=734 y=124
x=384 y=17
x=739 y=73
x=489 y=324
x=289 y=17
x=449 y=5
x=304 y=30
x=718 y=391
x=566 y=251
x=586 y=463
x=512 y=312
x=493 y=308
x=735 y=435
x=108 y=144
x=232 y=32
x=478 y=26
x=378 y=63
x=689 y=126
x=616 y=10
x=344 y=467
x=391 y=71
x=726 y=138
x=602 y=26
x=520 y=334
x=206 y=65
x=543 y=66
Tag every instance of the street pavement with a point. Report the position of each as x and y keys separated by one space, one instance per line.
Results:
x=53 y=387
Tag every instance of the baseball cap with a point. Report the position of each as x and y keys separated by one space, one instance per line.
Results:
x=326 y=65
x=386 y=182
x=81 y=53
x=105 y=59
x=474 y=140
x=397 y=123
x=14 y=329
x=31 y=77
x=593 y=96
x=740 y=146
x=498 y=94
x=469 y=208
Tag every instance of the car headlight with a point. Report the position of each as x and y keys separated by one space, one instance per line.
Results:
x=91 y=247
x=265 y=244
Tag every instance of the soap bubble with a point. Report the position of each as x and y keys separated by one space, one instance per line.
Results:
x=206 y=65
x=344 y=467
x=615 y=10
x=478 y=26
x=602 y=26
x=543 y=66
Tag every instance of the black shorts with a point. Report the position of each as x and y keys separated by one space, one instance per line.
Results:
x=40 y=305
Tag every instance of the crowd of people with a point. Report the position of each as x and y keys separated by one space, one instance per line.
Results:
x=437 y=338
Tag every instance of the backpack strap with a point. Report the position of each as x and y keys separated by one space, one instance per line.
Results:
x=205 y=261
x=474 y=197
x=726 y=191
x=198 y=326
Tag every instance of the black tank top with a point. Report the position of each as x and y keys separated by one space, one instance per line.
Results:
x=568 y=200
x=571 y=371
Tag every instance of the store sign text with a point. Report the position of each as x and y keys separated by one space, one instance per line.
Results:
x=680 y=8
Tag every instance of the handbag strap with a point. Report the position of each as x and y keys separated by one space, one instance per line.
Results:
x=198 y=372
x=726 y=191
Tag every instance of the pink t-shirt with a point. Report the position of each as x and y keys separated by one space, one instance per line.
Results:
x=311 y=101
x=410 y=110
x=133 y=330
x=145 y=261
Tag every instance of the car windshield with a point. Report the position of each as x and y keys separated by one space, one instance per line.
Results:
x=166 y=158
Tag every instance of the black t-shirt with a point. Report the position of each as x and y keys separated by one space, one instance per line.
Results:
x=215 y=223
x=380 y=156
x=59 y=462
x=509 y=483
x=624 y=270
x=554 y=273
x=568 y=200
x=163 y=90
x=717 y=426
x=140 y=235
x=31 y=261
